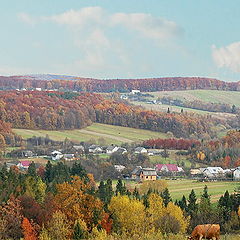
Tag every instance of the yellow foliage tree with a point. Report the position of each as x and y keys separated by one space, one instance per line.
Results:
x=130 y=214
x=158 y=185
x=58 y=227
x=177 y=213
x=155 y=210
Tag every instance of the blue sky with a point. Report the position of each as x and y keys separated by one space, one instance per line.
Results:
x=121 y=39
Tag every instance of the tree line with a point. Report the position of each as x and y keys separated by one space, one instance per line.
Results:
x=117 y=85
x=64 y=202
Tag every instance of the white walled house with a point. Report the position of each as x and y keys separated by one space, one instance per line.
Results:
x=111 y=149
x=139 y=150
x=236 y=174
x=213 y=172
x=56 y=155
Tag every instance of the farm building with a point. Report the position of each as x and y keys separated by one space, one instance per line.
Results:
x=136 y=172
x=236 y=173
x=213 y=172
x=147 y=174
x=139 y=150
x=95 y=149
x=56 y=155
x=168 y=168
x=111 y=149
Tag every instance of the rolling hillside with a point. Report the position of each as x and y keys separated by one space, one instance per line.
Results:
x=111 y=134
x=213 y=96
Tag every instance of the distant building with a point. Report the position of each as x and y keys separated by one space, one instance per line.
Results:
x=148 y=174
x=139 y=150
x=168 y=168
x=136 y=172
x=195 y=171
x=27 y=153
x=236 y=174
x=121 y=150
x=95 y=149
x=38 y=89
x=111 y=149
x=213 y=172
x=56 y=155
x=119 y=168
x=135 y=91
x=23 y=164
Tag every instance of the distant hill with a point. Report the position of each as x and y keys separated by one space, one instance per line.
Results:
x=66 y=83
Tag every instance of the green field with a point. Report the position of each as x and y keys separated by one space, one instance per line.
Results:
x=214 y=96
x=164 y=108
x=96 y=132
x=180 y=187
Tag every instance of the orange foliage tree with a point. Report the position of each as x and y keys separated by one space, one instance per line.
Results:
x=29 y=232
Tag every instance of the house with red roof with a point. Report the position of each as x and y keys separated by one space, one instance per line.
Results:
x=24 y=164
x=172 y=168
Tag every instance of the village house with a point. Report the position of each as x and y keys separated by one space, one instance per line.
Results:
x=148 y=174
x=141 y=150
x=152 y=152
x=56 y=155
x=27 y=153
x=136 y=172
x=111 y=149
x=68 y=157
x=213 y=172
x=121 y=150
x=95 y=149
x=23 y=164
x=195 y=171
x=119 y=168
x=236 y=173
x=170 y=168
x=78 y=149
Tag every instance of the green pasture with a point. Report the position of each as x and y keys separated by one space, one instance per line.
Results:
x=214 y=96
x=181 y=187
x=96 y=133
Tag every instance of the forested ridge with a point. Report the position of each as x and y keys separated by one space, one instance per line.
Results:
x=120 y=85
x=59 y=110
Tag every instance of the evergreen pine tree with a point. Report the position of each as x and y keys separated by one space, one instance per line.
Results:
x=102 y=192
x=205 y=195
x=120 y=188
x=166 y=197
x=32 y=170
x=183 y=203
x=48 y=172
x=77 y=170
x=192 y=203
x=136 y=194
x=226 y=205
x=109 y=191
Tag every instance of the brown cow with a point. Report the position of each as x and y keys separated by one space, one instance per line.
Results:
x=207 y=231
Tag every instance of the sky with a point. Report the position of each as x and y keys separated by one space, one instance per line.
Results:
x=121 y=38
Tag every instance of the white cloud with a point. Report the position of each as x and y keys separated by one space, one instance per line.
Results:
x=149 y=26
x=88 y=15
x=227 y=57
x=27 y=18
x=96 y=34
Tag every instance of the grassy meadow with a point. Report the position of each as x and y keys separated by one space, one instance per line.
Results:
x=180 y=187
x=214 y=96
x=96 y=132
